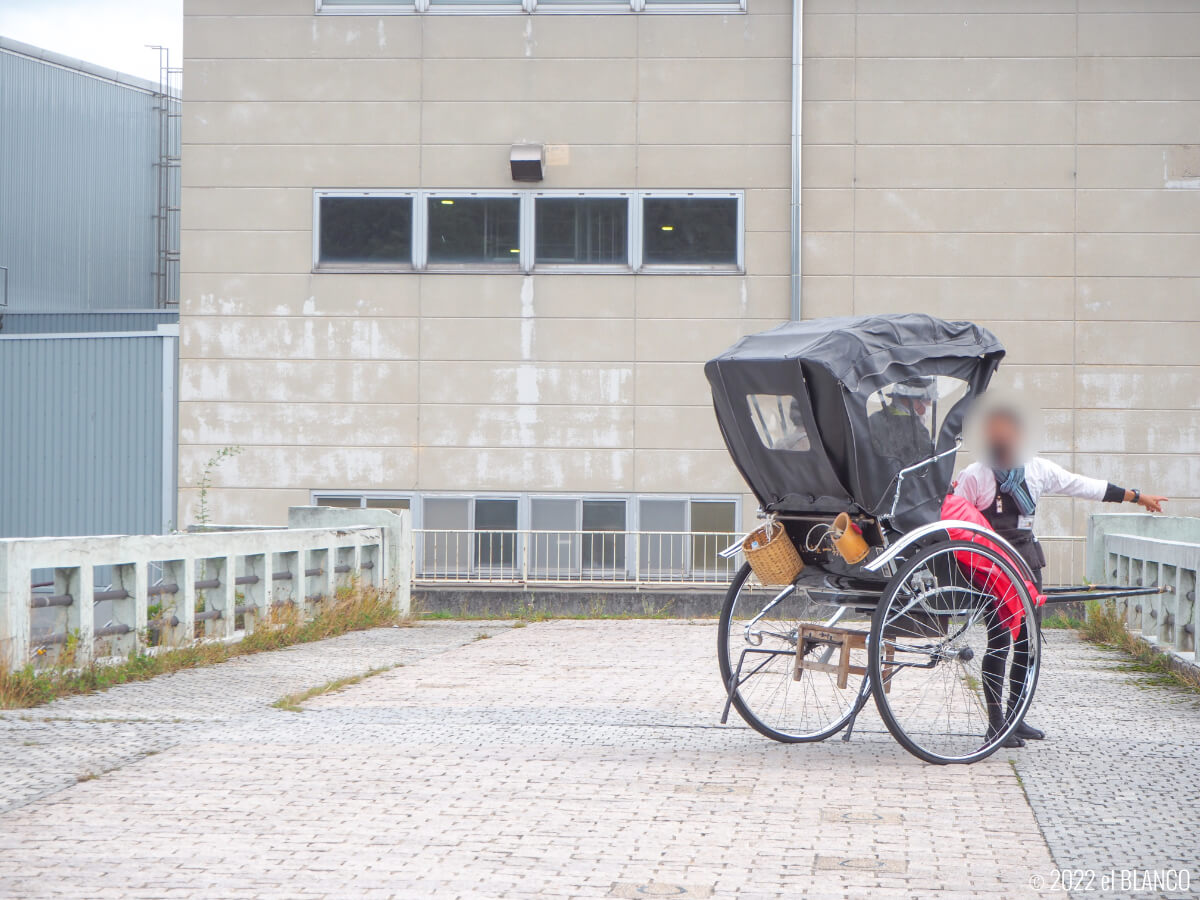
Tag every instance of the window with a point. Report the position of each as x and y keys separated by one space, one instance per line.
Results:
x=339 y=502
x=561 y=538
x=495 y=533
x=713 y=527
x=446 y=545
x=360 y=501
x=527 y=231
x=571 y=534
x=661 y=551
x=464 y=535
x=358 y=230
x=779 y=421
x=367 y=7
x=554 y=543
x=603 y=529
x=474 y=230
x=905 y=417
x=395 y=504
x=582 y=231
x=690 y=231
x=664 y=549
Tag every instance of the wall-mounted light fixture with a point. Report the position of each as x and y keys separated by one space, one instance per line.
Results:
x=527 y=162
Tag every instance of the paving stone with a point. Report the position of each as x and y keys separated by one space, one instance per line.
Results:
x=565 y=759
x=1114 y=787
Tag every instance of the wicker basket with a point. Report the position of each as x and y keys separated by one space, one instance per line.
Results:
x=774 y=559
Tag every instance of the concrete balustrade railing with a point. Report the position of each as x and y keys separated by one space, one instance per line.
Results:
x=211 y=578
x=1151 y=551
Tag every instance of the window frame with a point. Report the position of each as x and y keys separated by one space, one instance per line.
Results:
x=421 y=252
x=344 y=267
x=524 y=498
x=688 y=500
x=739 y=264
x=630 y=535
x=524 y=7
x=632 y=231
x=527 y=233
x=688 y=561
x=363 y=497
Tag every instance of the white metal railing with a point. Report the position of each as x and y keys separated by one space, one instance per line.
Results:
x=1065 y=560
x=1168 y=619
x=633 y=558
x=213 y=585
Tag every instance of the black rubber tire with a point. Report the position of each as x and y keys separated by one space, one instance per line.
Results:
x=875 y=654
x=739 y=704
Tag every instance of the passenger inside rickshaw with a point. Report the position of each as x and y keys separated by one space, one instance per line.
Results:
x=903 y=417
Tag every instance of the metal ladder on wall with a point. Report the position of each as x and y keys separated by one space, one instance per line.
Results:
x=168 y=104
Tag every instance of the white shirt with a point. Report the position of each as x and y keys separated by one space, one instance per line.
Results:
x=977 y=483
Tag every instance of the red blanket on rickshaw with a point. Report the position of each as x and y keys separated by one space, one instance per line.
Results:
x=981 y=570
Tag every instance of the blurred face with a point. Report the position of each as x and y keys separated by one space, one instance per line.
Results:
x=1003 y=435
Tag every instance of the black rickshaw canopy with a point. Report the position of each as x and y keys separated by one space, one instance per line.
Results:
x=820 y=415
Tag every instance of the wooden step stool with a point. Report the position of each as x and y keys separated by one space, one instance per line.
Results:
x=846 y=639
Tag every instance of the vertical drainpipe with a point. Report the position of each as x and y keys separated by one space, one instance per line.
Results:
x=797 y=116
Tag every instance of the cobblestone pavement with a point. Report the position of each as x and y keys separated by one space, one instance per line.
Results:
x=564 y=759
x=1117 y=784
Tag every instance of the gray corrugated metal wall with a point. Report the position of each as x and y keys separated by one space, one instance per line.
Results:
x=78 y=188
x=82 y=439
x=68 y=323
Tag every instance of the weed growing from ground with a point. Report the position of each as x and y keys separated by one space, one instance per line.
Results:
x=294 y=702
x=1106 y=627
x=1060 y=621
x=355 y=608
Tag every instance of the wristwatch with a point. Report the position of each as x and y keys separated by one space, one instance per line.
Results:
x=1137 y=495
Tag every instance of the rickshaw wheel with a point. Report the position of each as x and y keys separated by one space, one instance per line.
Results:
x=767 y=696
x=945 y=692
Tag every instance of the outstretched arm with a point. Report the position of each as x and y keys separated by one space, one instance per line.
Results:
x=1057 y=480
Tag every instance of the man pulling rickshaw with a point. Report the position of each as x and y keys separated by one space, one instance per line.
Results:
x=1005 y=487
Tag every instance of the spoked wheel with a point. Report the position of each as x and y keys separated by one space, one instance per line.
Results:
x=950 y=680
x=756 y=643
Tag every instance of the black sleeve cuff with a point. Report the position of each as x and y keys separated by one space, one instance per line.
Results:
x=1114 y=494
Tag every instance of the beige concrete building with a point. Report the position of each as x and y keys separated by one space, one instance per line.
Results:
x=376 y=311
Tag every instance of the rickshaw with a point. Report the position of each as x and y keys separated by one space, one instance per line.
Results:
x=846 y=430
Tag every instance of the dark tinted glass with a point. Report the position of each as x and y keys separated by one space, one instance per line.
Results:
x=689 y=231
x=500 y=515
x=582 y=230
x=495 y=542
x=366 y=229
x=603 y=551
x=473 y=229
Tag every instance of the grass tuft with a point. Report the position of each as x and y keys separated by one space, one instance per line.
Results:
x=354 y=608
x=294 y=702
x=1060 y=621
x=1106 y=627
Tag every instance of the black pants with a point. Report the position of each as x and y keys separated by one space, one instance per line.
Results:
x=997 y=655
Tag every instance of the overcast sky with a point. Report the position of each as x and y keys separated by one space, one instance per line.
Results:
x=110 y=33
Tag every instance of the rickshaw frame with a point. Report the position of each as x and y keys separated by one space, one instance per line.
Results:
x=829 y=373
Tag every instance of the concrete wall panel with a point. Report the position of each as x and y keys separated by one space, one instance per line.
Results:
x=1014 y=162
